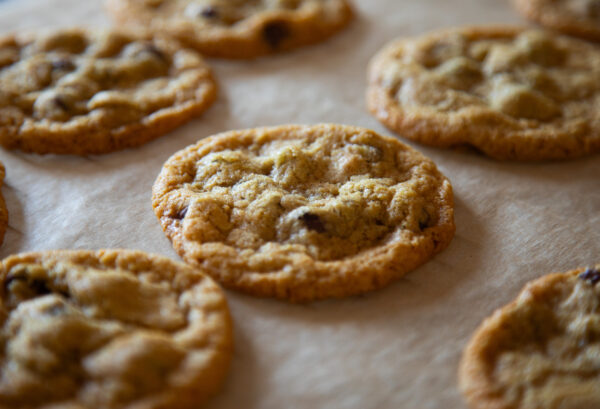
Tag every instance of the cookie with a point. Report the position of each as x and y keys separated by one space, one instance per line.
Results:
x=74 y=91
x=3 y=210
x=509 y=92
x=542 y=351
x=304 y=212
x=580 y=18
x=237 y=28
x=109 y=329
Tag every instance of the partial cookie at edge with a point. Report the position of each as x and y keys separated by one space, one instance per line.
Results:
x=234 y=31
x=110 y=329
x=541 y=350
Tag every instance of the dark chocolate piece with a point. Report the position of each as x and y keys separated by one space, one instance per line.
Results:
x=275 y=33
x=592 y=275
x=313 y=222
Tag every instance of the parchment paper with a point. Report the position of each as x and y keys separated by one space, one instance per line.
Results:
x=394 y=348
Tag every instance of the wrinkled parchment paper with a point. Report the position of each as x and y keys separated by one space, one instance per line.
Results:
x=394 y=348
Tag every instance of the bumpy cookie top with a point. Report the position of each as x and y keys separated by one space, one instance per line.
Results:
x=541 y=351
x=109 y=329
x=510 y=92
x=576 y=17
x=74 y=91
x=237 y=28
x=304 y=212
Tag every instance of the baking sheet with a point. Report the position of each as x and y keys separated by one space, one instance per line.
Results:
x=394 y=348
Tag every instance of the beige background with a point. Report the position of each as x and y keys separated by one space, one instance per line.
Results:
x=395 y=348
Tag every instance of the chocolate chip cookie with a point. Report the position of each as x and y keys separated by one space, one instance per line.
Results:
x=304 y=212
x=542 y=350
x=512 y=93
x=237 y=28
x=580 y=18
x=81 y=92
x=109 y=329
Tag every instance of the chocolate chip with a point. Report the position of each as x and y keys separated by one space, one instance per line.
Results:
x=63 y=65
x=313 y=222
x=60 y=102
x=275 y=32
x=39 y=287
x=180 y=214
x=592 y=275
x=209 y=12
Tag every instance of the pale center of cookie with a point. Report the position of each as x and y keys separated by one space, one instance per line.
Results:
x=533 y=76
x=98 y=337
x=329 y=197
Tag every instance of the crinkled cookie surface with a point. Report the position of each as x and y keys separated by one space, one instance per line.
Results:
x=81 y=92
x=511 y=93
x=304 y=212
x=237 y=28
x=580 y=18
x=542 y=351
x=109 y=329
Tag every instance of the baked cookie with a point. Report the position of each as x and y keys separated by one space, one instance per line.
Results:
x=79 y=92
x=542 y=351
x=237 y=28
x=512 y=93
x=304 y=212
x=3 y=210
x=109 y=329
x=580 y=18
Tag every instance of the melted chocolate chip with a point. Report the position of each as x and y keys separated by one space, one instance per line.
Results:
x=275 y=32
x=180 y=214
x=209 y=12
x=592 y=275
x=313 y=222
x=59 y=102
x=63 y=65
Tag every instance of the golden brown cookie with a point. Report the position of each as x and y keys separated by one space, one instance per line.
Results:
x=3 y=210
x=80 y=92
x=512 y=93
x=542 y=351
x=580 y=18
x=304 y=212
x=237 y=28
x=109 y=329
